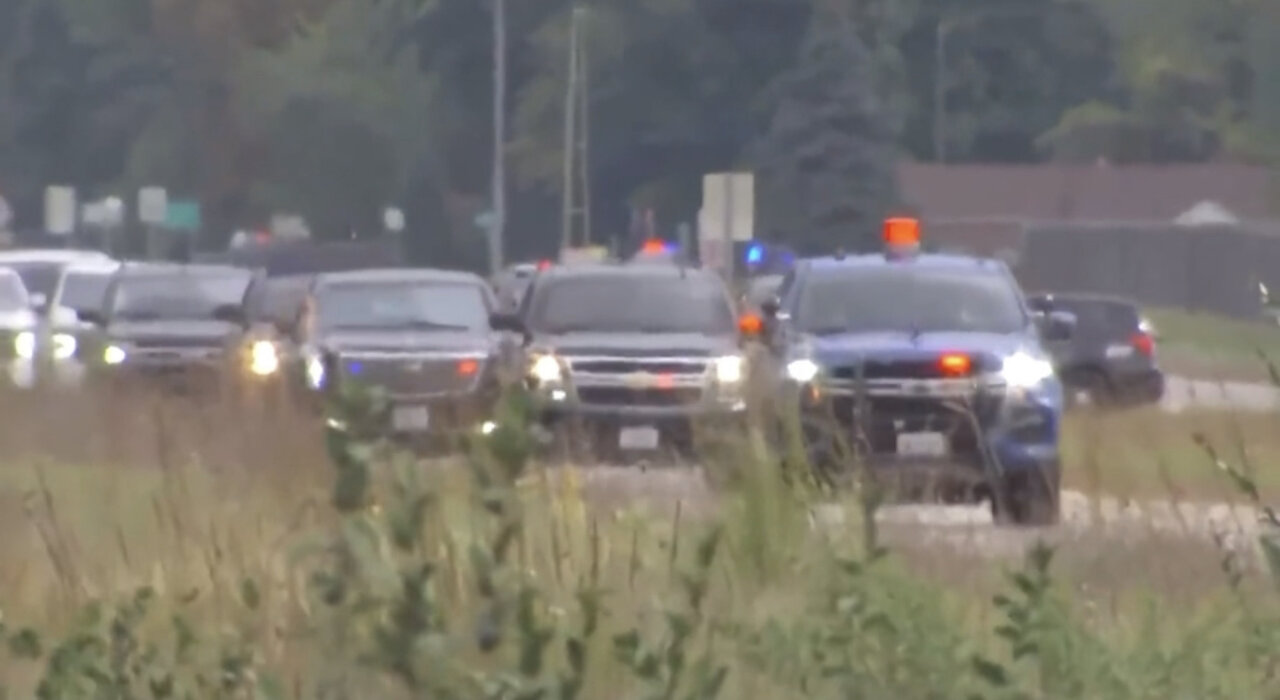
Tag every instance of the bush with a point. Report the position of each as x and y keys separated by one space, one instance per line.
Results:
x=489 y=579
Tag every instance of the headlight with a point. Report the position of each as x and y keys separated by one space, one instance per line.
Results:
x=263 y=358
x=113 y=355
x=315 y=372
x=64 y=346
x=729 y=369
x=24 y=345
x=802 y=370
x=1023 y=371
x=546 y=369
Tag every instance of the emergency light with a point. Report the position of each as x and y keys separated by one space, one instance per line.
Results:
x=654 y=246
x=755 y=254
x=955 y=364
x=902 y=234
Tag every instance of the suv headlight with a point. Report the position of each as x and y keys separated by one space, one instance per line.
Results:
x=316 y=371
x=24 y=345
x=1023 y=371
x=64 y=346
x=546 y=369
x=264 y=359
x=802 y=370
x=113 y=355
x=729 y=369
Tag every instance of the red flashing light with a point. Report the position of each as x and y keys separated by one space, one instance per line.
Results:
x=653 y=246
x=468 y=367
x=901 y=232
x=262 y=236
x=750 y=324
x=955 y=364
x=544 y=264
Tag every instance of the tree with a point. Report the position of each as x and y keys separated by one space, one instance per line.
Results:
x=827 y=161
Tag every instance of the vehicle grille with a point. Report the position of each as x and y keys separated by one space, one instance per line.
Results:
x=920 y=368
x=628 y=366
x=624 y=396
x=882 y=418
x=177 y=343
x=410 y=375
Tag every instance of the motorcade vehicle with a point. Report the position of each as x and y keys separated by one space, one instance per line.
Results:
x=924 y=374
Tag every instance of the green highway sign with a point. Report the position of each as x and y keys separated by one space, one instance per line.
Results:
x=182 y=215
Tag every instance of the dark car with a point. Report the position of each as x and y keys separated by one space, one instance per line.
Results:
x=172 y=323
x=421 y=335
x=1111 y=357
x=626 y=359
x=930 y=369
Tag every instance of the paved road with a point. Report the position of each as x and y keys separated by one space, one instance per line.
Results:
x=1181 y=394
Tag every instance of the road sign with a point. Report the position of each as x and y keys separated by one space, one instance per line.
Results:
x=486 y=219
x=393 y=220
x=729 y=204
x=60 y=210
x=153 y=205
x=182 y=215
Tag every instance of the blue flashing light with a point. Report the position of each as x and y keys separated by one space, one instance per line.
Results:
x=755 y=254
x=355 y=367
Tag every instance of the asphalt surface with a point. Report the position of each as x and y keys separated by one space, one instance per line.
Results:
x=1086 y=519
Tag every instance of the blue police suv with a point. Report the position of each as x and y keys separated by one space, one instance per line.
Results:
x=925 y=371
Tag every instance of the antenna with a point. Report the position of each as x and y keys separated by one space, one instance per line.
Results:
x=576 y=189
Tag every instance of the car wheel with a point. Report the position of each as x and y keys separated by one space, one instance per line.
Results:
x=1029 y=498
x=1089 y=388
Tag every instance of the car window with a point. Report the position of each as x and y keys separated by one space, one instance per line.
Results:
x=621 y=303
x=177 y=296
x=414 y=304
x=84 y=290
x=38 y=277
x=902 y=298
x=13 y=294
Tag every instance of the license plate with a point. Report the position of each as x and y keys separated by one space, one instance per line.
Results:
x=638 y=438
x=410 y=418
x=923 y=445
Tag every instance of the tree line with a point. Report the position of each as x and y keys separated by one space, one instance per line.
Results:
x=337 y=108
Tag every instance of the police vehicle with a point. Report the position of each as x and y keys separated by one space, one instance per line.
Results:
x=927 y=371
x=627 y=360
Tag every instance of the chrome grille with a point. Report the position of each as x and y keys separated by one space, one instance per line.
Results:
x=403 y=374
x=639 y=381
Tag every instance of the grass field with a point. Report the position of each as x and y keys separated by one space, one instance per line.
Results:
x=1215 y=347
x=241 y=562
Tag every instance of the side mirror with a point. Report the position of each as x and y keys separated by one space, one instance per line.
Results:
x=38 y=301
x=1056 y=325
x=510 y=323
x=770 y=307
x=93 y=316
x=230 y=313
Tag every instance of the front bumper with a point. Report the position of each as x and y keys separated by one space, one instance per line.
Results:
x=920 y=443
x=629 y=425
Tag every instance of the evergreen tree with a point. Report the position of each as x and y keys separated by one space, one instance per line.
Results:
x=826 y=164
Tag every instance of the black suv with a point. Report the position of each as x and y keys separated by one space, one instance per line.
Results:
x=1111 y=358
x=170 y=323
x=422 y=335
x=624 y=359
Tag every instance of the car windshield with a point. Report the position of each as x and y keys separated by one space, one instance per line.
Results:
x=416 y=305
x=910 y=300
x=181 y=295
x=37 y=277
x=632 y=303
x=84 y=291
x=13 y=295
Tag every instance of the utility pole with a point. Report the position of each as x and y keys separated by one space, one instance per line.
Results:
x=576 y=174
x=497 y=227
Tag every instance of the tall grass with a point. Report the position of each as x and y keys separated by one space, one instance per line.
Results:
x=357 y=571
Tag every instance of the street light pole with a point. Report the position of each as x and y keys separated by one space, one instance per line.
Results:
x=940 y=91
x=497 y=228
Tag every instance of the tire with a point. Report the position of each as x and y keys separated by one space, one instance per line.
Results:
x=1094 y=385
x=1030 y=498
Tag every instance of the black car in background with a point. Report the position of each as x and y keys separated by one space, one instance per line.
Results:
x=167 y=325
x=1111 y=358
x=421 y=335
x=628 y=360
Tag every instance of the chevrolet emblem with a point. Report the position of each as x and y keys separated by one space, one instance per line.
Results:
x=641 y=380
